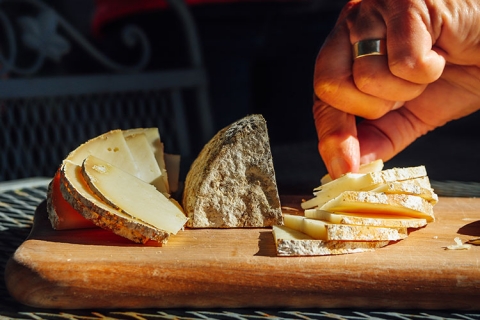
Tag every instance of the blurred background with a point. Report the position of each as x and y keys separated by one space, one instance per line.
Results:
x=252 y=57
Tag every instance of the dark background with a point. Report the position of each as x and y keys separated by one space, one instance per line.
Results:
x=260 y=58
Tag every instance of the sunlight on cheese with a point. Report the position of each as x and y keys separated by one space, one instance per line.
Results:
x=370 y=219
x=322 y=230
x=132 y=195
x=148 y=168
x=290 y=242
x=111 y=147
x=373 y=166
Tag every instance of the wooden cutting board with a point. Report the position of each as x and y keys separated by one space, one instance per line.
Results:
x=239 y=268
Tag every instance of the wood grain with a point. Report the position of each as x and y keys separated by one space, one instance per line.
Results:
x=209 y=268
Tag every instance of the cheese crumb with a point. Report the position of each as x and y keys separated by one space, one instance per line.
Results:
x=459 y=245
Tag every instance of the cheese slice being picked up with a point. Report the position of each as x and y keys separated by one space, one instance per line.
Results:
x=131 y=195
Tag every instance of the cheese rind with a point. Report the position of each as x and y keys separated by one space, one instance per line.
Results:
x=82 y=198
x=322 y=230
x=232 y=182
x=131 y=195
x=361 y=182
x=290 y=242
x=371 y=219
x=368 y=202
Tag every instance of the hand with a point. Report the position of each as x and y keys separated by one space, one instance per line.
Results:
x=430 y=75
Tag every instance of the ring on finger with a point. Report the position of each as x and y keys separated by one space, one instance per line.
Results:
x=371 y=47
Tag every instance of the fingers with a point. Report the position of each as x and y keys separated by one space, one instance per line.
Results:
x=371 y=86
x=338 y=144
x=409 y=29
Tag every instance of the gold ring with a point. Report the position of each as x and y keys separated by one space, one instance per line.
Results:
x=374 y=47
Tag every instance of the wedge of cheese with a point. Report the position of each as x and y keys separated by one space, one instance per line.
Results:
x=131 y=195
x=85 y=202
x=321 y=230
x=290 y=242
x=371 y=219
x=156 y=145
x=232 y=182
x=148 y=169
x=368 y=202
x=361 y=182
x=373 y=166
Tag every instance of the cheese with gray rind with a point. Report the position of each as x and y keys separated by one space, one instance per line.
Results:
x=370 y=219
x=290 y=242
x=232 y=182
x=361 y=182
x=75 y=190
x=368 y=202
x=322 y=230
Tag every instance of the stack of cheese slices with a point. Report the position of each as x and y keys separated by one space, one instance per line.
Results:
x=359 y=212
x=117 y=181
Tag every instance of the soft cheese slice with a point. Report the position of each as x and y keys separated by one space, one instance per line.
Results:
x=361 y=182
x=84 y=201
x=232 y=182
x=156 y=144
x=132 y=195
x=373 y=166
x=290 y=242
x=147 y=166
x=111 y=147
x=322 y=230
x=368 y=202
x=372 y=219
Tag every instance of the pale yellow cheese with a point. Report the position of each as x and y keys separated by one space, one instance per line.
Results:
x=131 y=195
x=290 y=242
x=419 y=187
x=75 y=190
x=370 y=219
x=368 y=202
x=111 y=147
x=373 y=166
x=322 y=230
x=361 y=182
x=153 y=138
x=147 y=166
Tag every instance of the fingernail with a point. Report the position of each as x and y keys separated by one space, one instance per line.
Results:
x=339 y=167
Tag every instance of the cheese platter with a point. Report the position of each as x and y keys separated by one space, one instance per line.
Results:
x=111 y=235
x=208 y=268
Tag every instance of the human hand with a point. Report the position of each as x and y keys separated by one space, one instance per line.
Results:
x=430 y=75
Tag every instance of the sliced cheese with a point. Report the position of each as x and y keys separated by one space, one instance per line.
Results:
x=111 y=147
x=153 y=138
x=368 y=202
x=232 y=182
x=290 y=242
x=61 y=213
x=370 y=219
x=322 y=230
x=373 y=166
x=419 y=186
x=84 y=201
x=131 y=195
x=361 y=182
x=147 y=166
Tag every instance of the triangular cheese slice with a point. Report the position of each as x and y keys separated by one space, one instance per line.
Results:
x=290 y=242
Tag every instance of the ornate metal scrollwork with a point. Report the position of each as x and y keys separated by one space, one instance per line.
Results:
x=40 y=34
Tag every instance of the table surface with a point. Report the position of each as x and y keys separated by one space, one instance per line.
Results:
x=18 y=201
